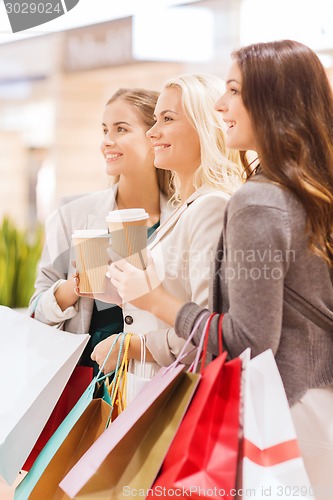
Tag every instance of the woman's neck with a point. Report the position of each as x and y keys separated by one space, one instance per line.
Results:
x=135 y=194
x=187 y=188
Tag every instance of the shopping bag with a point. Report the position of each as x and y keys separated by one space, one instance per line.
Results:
x=44 y=357
x=82 y=426
x=83 y=434
x=202 y=460
x=128 y=455
x=75 y=387
x=271 y=464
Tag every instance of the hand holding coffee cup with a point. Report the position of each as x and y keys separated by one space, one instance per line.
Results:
x=128 y=235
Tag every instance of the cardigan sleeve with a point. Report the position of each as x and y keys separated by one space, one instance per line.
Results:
x=255 y=262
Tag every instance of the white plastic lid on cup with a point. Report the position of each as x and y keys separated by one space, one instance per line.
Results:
x=89 y=233
x=127 y=215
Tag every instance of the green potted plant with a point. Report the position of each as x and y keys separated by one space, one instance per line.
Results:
x=19 y=256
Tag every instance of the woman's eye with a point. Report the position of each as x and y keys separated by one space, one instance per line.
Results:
x=168 y=119
x=105 y=131
x=234 y=91
x=121 y=129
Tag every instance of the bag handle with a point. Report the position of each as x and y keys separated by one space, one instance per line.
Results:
x=120 y=373
x=142 y=354
x=201 y=353
x=98 y=376
x=183 y=353
x=206 y=337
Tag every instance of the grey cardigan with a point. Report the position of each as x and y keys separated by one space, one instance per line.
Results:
x=271 y=288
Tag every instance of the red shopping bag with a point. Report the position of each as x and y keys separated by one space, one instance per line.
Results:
x=202 y=460
x=75 y=387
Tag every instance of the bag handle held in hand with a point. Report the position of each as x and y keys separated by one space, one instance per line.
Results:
x=205 y=335
x=182 y=353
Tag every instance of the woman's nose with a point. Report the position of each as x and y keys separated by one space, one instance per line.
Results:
x=108 y=140
x=220 y=104
x=152 y=132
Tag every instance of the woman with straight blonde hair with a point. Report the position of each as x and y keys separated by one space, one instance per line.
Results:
x=188 y=139
x=129 y=162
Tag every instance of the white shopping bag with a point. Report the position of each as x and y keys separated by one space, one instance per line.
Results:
x=36 y=363
x=136 y=377
x=271 y=461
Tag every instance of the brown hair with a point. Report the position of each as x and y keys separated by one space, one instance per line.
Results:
x=144 y=101
x=289 y=98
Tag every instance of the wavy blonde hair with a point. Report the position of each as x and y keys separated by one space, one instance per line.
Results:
x=220 y=168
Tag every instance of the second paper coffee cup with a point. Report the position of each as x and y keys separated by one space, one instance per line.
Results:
x=128 y=234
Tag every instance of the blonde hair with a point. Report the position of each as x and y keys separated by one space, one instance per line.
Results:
x=220 y=168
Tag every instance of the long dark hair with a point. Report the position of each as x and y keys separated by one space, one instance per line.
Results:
x=144 y=101
x=289 y=98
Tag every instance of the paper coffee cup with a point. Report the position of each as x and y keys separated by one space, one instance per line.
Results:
x=90 y=252
x=128 y=234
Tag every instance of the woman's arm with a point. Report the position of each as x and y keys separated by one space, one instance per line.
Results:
x=256 y=259
x=194 y=240
x=52 y=283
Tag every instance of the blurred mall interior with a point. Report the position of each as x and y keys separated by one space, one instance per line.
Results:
x=53 y=87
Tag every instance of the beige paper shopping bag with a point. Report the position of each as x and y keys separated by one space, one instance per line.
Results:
x=135 y=460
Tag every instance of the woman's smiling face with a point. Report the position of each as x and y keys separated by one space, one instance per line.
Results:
x=125 y=147
x=176 y=143
x=240 y=133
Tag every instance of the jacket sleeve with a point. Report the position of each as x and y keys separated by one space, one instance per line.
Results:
x=52 y=271
x=202 y=227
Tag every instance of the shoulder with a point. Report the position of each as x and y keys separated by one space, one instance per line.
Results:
x=97 y=198
x=75 y=210
x=262 y=194
x=206 y=212
x=79 y=205
x=207 y=197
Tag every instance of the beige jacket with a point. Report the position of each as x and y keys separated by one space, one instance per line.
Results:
x=83 y=212
x=183 y=250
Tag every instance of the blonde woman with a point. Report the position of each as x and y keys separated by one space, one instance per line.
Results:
x=129 y=160
x=188 y=138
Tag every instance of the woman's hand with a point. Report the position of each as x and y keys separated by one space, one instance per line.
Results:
x=110 y=294
x=101 y=351
x=140 y=287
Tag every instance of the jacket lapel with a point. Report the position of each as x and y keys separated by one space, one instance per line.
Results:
x=97 y=220
x=174 y=217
